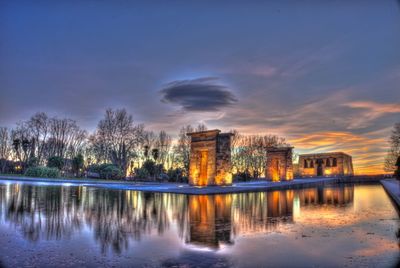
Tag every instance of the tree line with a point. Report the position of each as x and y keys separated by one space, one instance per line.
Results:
x=392 y=159
x=118 y=141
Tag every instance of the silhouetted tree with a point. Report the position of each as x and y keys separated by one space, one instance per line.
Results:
x=5 y=148
x=394 y=151
x=118 y=137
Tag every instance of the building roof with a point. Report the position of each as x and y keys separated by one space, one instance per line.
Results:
x=324 y=154
x=278 y=148
x=212 y=131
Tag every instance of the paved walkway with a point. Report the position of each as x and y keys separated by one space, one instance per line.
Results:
x=181 y=188
x=392 y=187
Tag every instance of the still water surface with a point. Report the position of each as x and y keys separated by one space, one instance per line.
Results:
x=73 y=226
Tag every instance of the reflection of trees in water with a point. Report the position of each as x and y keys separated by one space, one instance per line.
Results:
x=37 y=209
x=115 y=216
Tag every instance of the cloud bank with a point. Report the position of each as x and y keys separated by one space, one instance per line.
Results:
x=198 y=95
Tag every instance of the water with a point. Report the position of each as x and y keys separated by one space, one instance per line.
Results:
x=71 y=226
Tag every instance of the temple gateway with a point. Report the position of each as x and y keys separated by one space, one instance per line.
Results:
x=325 y=164
x=279 y=166
x=210 y=158
x=210 y=161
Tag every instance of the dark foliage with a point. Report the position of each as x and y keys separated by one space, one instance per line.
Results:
x=55 y=162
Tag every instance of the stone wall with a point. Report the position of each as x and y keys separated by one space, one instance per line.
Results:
x=331 y=164
x=223 y=167
x=217 y=147
x=279 y=166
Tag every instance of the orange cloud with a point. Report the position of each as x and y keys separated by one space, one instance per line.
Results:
x=370 y=111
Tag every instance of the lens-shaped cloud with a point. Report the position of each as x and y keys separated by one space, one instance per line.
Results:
x=198 y=95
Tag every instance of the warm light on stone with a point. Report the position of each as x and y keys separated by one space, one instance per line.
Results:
x=210 y=158
x=279 y=166
x=325 y=164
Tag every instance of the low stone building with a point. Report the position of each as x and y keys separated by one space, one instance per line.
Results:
x=325 y=164
x=279 y=166
x=210 y=158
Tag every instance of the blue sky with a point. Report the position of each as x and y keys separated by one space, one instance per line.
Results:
x=324 y=74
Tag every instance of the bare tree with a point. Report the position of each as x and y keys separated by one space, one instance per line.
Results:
x=163 y=144
x=66 y=138
x=22 y=142
x=149 y=142
x=201 y=127
x=5 y=148
x=249 y=152
x=182 y=149
x=394 y=151
x=119 y=137
x=39 y=127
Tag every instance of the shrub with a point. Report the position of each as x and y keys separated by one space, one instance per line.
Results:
x=110 y=171
x=151 y=167
x=242 y=176
x=150 y=170
x=55 y=162
x=93 y=168
x=106 y=171
x=176 y=175
x=32 y=162
x=142 y=173
x=42 y=172
x=77 y=164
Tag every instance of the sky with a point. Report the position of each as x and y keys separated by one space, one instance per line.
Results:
x=323 y=74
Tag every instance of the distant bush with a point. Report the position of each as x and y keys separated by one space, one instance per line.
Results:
x=55 y=162
x=32 y=162
x=93 y=168
x=242 y=176
x=142 y=173
x=107 y=171
x=176 y=175
x=42 y=172
x=151 y=170
x=151 y=167
x=77 y=164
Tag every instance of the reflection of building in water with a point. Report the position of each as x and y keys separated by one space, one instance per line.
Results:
x=210 y=219
x=279 y=166
x=116 y=217
x=213 y=218
x=210 y=158
x=262 y=211
x=280 y=203
x=335 y=195
x=325 y=164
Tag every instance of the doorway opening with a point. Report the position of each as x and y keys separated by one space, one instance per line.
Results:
x=320 y=171
x=203 y=168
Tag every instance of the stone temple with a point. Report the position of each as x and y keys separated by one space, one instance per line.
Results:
x=325 y=164
x=210 y=158
x=279 y=166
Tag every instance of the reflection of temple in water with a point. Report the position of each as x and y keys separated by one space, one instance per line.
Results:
x=334 y=195
x=116 y=217
x=210 y=219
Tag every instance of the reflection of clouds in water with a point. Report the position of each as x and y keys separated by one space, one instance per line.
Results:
x=192 y=258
